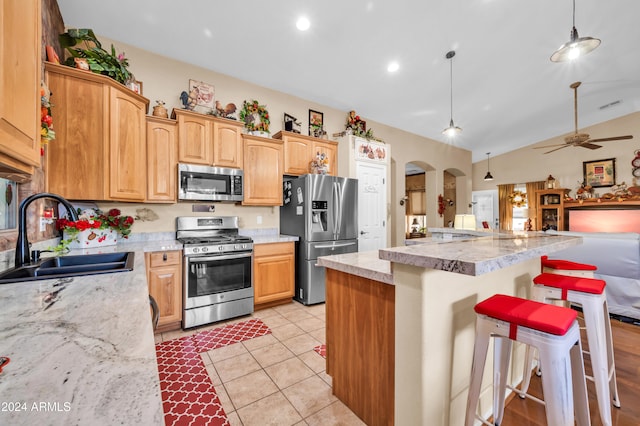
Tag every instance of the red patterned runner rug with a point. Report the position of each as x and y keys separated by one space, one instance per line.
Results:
x=188 y=396
x=322 y=350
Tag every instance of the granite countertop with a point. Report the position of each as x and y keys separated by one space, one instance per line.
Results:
x=82 y=349
x=364 y=264
x=474 y=255
x=479 y=255
x=266 y=235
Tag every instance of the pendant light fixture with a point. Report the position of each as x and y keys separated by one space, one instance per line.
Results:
x=576 y=46
x=452 y=130
x=488 y=176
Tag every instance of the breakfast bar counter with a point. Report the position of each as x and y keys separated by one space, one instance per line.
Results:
x=417 y=329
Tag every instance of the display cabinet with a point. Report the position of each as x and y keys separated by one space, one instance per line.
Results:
x=550 y=211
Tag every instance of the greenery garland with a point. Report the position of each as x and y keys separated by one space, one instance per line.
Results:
x=248 y=114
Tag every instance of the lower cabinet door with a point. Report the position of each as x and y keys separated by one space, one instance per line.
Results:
x=164 y=276
x=274 y=272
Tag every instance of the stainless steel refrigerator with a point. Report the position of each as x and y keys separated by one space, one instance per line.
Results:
x=322 y=211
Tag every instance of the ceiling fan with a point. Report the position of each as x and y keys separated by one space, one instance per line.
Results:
x=580 y=139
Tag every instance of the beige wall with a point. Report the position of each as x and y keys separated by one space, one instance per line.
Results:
x=528 y=164
x=165 y=79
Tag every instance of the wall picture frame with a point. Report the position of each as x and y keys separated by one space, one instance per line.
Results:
x=206 y=93
x=316 y=123
x=599 y=173
x=136 y=86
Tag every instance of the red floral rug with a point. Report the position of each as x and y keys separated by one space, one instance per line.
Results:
x=188 y=396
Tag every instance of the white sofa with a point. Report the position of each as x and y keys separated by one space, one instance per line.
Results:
x=617 y=257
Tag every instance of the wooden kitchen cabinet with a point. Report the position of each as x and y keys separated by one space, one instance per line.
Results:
x=273 y=273
x=550 y=212
x=20 y=88
x=205 y=139
x=100 y=147
x=300 y=150
x=164 y=277
x=161 y=160
x=227 y=143
x=262 y=171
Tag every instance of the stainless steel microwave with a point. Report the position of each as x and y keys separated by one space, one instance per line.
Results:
x=206 y=183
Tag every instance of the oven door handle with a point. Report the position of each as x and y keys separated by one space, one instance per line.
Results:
x=197 y=259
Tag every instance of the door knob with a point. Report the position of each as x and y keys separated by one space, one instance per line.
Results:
x=363 y=232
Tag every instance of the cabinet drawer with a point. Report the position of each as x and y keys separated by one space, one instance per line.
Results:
x=270 y=249
x=163 y=258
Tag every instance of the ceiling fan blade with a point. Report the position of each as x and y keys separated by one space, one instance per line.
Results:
x=613 y=138
x=589 y=145
x=563 y=146
x=549 y=146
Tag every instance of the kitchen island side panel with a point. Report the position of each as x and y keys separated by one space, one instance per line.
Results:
x=360 y=345
x=435 y=334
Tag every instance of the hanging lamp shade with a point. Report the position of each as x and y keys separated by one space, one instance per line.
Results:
x=576 y=46
x=488 y=176
x=452 y=130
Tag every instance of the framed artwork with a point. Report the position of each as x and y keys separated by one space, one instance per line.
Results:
x=136 y=86
x=291 y=123
x=205 y=93
x=316 y=123
x=599 y=173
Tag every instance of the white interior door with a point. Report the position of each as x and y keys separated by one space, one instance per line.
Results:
x=372 y=205
x=485 y=207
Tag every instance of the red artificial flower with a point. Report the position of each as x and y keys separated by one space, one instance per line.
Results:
x=114 y=212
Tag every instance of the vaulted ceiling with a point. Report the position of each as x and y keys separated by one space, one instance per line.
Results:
x=506 y=92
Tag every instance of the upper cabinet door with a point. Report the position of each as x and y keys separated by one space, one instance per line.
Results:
x=194 y=138
x=127 y=148
x=330 y=150
x=262 y=171
x=162 y=167
x=227 y=144
x=20 y=24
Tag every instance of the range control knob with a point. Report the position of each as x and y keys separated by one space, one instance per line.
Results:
x=205 y=249
x=220 y=248
x=196 y=249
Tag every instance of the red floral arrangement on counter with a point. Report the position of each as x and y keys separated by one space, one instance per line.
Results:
x=96 y=219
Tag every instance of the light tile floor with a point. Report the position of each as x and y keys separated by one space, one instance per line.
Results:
x=277 y=379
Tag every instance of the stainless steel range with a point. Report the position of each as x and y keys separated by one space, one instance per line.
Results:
x=217 y=263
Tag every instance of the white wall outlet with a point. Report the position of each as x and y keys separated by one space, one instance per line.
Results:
x=259 y=220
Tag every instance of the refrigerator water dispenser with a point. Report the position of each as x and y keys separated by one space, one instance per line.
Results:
x=319 y=216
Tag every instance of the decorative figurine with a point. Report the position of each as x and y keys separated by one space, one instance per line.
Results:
x=190 y=99
x=226 y=111
x=159 y=110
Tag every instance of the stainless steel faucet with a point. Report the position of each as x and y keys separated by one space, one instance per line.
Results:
x=22 y=243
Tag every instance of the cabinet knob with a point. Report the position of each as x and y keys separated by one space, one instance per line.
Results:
x=164 y=257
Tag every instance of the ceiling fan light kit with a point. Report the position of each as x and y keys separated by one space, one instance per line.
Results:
x=576 y=46
x=452 y=130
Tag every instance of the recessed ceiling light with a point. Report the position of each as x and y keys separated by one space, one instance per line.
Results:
x=303 y=24
x=393 y=67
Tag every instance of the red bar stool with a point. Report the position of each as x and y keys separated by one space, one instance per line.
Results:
x=589 y=293
x=554 y=331
x=566 y=267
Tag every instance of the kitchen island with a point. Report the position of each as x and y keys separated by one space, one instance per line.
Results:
x=82 y=349
x=414 y=329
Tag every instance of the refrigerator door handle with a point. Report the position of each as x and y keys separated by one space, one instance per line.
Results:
x=332 y=246
x=339 y=204
x=336 y=211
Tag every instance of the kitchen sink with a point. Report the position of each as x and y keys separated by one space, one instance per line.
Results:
x=70 y=266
